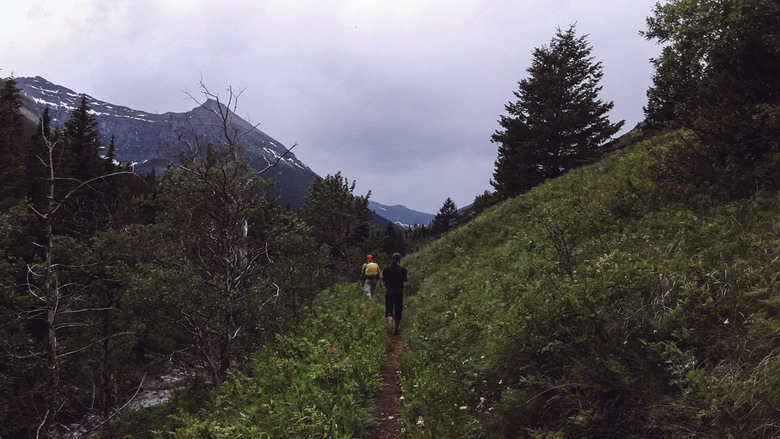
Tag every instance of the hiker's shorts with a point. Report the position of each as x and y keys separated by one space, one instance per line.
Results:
x=394 y=303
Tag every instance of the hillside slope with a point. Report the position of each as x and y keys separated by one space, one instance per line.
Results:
x=597 y=306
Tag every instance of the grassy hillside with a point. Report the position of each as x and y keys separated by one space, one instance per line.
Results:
x=600 y=304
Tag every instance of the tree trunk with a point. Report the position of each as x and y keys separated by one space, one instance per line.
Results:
x=106 y=383
x=50 y=290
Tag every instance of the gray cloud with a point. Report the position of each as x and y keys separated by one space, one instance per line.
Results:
x=401 y=96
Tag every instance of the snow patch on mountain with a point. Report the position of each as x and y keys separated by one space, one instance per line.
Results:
x=401 y=215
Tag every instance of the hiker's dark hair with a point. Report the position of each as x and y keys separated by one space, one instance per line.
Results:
x=396 y=258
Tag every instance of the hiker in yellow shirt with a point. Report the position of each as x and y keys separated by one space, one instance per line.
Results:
x=370 y=272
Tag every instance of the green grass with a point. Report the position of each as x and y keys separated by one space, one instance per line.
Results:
x=596 y=306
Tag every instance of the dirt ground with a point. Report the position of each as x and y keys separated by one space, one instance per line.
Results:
x=387 y=408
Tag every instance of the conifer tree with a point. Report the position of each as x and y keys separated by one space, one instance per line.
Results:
x=393 y=241
x=90 y=209
x=36 y=159
x=111 y=156
x=446 y=218
x=82 y=139
x=12 y=185
x=558 y=121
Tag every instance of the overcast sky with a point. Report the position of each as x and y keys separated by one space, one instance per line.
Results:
x=401 y=96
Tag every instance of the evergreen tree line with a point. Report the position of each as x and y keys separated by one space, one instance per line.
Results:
x=109 y=279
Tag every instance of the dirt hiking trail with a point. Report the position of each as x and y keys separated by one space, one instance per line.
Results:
x=387 y=407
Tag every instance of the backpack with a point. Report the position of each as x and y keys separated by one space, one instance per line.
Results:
x=372 y=270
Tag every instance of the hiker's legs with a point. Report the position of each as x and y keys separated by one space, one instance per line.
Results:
x=368 y=287
x=392 y=311
x=389 y=307
x=398 y=307
x=394 y=300
x=398 y=310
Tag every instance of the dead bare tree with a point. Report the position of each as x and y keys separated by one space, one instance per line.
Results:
x=44 y=283
x=220 y=212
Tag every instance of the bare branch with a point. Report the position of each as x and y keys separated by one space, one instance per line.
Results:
x=278 y=159
x=116 y=412
x=121 y=334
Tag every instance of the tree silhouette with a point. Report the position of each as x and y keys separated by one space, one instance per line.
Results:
x=558 y=121
x=445 y=218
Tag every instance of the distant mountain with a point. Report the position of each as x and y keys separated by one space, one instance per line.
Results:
x=152 y=141
x=400 y=215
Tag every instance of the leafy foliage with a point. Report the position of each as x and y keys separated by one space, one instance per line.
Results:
x=341 y=222
x=717 y=75
x=103 y=280
x=338 y=218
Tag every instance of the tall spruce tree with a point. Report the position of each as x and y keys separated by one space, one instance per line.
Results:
x=12 y=150
x=90 y=208
x=37 y=172
x=82 y=139
x=393 y=240
x=558 y=121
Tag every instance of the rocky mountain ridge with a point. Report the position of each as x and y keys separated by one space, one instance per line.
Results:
x=152 y=142
x=401 y=216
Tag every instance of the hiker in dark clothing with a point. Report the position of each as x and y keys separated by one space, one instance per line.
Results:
x=394 y=277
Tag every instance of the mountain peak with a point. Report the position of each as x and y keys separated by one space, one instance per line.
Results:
x=152 y=141
x=401 y=215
